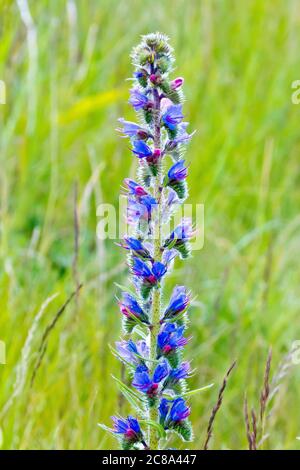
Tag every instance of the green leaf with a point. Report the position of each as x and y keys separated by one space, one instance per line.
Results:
x=106 y=428
x=125 y=289
x=135 y=400
x=161 y=432
x=201 y=389
x=125 y=387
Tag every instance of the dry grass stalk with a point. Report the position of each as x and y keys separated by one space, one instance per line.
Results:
x=43 y=345
x=255 y=428
x=23 y=365
x=217 y=407
x=247 y=423
x=266 y=387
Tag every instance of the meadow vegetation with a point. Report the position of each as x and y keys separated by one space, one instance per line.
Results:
x=64 y=64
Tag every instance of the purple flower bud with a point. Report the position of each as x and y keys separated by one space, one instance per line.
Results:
x=156 y=153
x=177 y=83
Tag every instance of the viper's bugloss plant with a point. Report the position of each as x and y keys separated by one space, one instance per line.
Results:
x=155 y=327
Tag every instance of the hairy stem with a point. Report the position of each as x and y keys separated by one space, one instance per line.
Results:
x=156 y=298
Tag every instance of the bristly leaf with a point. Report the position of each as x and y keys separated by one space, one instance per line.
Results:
x=184 y=429
x=145 y=291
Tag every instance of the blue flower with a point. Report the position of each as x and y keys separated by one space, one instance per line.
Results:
x=134 y=188
x=141 y=269
x=163 y=409
x=173 y=412
x=131 y=129
x=149 y=202
x=137 y=248
x=175 y=179
x=178 y=172
x=136 y=212
x=140 y=209
x=145 y=384
x=179 y=410
x=184 y=231
x=129 y=427
x=131 y=308
x=160 y=372
x=138 y=99
x=182 y=136
x=170 y=339
x=180 y=237
x=141 y=149
x=172 y=198
x=132 y=352
x=179 y=302
x=149 y=276
x=181 y=372
x=169 y=256
x=159 y=270
x=173 y=116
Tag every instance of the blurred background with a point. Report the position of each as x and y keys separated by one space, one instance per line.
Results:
x=65 y=65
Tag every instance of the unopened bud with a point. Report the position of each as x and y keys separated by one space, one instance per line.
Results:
x=177 y=83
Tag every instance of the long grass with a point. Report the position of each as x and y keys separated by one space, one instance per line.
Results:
x=64 y=64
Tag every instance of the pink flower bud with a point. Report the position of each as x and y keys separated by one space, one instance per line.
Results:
x=156 y=153
x=177 y=83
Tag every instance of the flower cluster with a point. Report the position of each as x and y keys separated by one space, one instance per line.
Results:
x=153 y=353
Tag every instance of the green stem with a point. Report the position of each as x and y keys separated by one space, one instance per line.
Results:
x=156 y=297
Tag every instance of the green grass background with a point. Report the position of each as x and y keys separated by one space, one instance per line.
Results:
x=65 y=74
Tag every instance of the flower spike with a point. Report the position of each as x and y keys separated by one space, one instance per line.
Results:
x=154 y=363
